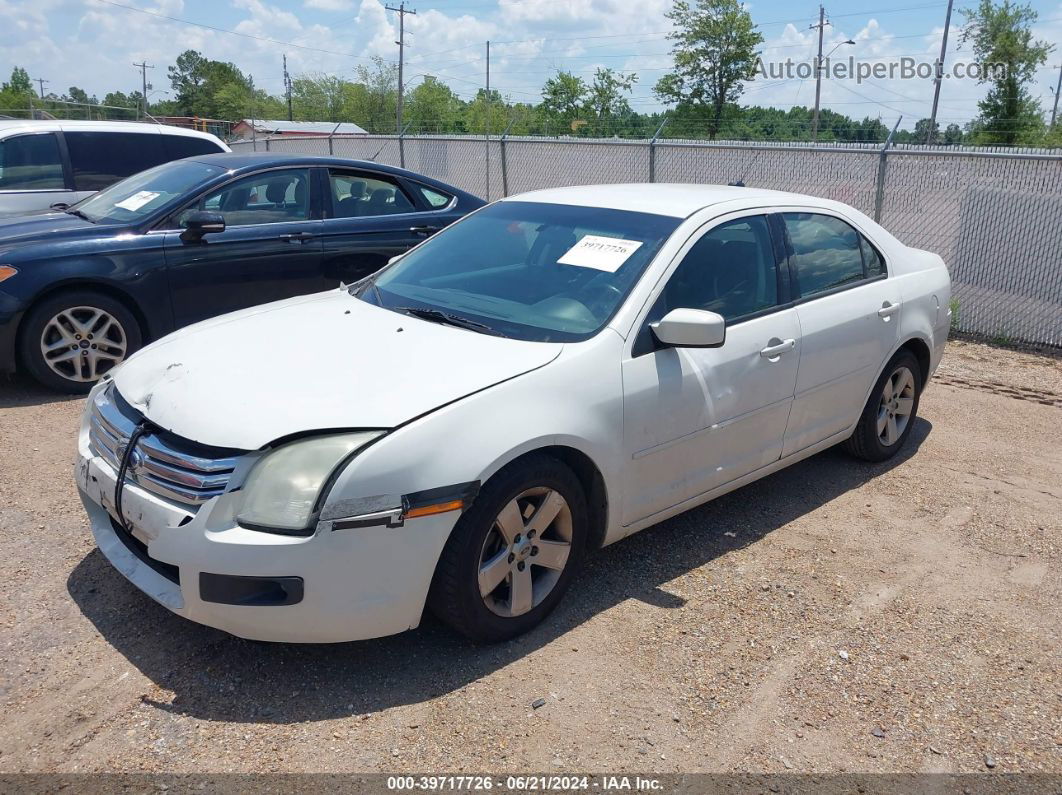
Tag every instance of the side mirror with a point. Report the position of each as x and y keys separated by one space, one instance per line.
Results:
x=394 y=259
x=200 y=223
x=690 y=328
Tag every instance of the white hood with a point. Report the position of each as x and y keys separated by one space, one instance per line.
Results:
x=325 y=361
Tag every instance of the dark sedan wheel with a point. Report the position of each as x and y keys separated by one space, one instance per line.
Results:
x=511 y=556
x=70 y=340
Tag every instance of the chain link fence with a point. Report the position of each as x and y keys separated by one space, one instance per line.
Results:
x=995 y=217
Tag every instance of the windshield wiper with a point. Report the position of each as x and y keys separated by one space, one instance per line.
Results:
x=439 y=316
x=78 y=213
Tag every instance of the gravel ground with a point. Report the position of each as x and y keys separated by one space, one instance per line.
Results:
x=836 y=616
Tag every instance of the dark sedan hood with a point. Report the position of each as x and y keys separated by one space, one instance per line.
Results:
x=48 y=228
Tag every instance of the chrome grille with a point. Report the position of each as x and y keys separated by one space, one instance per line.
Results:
x=164 y=467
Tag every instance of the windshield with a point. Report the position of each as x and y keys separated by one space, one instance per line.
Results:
x=542 y=272
x=140 y=195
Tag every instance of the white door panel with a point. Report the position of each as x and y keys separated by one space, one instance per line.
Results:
x=696 y=418
x=845 y=339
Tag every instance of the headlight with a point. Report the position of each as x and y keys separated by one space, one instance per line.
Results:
x=283 y=487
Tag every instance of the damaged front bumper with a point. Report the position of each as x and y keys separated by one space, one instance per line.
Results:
x=345 y=582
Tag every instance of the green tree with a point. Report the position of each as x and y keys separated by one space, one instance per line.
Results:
x=715 y=49
x=564 y=99
x=605 y=99
x=432 y=106
x=1001 y=35
x=373 y=101
x=20 y=82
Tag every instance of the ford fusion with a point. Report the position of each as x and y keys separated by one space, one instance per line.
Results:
x=548 y=375
x=82 y=289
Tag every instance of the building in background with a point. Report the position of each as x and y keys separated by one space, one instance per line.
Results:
x=245 y=129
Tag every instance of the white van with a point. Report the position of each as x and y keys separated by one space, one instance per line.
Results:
x=46 y=163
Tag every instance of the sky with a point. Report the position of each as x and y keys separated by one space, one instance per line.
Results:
x=93 y=44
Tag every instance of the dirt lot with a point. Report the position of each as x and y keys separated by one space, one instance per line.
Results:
x=836 y=616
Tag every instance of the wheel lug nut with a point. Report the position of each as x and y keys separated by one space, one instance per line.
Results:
x=77 y=336
x=517 y=539
x=530 y=533
x=512 y=557
x=520 y=566
x=94 y=346
x=534 y=551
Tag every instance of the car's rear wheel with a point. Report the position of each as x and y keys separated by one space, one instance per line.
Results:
x=890 y=412
x=511 y=556
x=72 y=339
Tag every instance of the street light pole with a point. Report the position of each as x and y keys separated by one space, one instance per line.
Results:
x=818 y=74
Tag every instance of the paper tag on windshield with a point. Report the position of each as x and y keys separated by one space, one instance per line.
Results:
x=137 y=200
x=602 y=253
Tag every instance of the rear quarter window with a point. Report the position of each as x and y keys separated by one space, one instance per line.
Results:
x=179 y=146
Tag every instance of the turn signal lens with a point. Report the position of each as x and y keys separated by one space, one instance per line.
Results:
x=6 y=272
x=430 y=510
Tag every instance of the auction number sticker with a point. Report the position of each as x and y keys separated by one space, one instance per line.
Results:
x=601 y=253
x=137 y=200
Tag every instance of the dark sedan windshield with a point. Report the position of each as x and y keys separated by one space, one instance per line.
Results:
x=142 y=194
x=533 y=271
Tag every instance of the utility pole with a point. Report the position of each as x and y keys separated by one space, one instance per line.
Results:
x=818 y=73
x=1058 y=88
x=41 y=81
x=939 y=74
x=487 y=171
x=287 y=86
x=401 y=11
x=143 y=66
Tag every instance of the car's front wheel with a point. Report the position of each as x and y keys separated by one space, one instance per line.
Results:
x=890 y=412
x=72 y=339
x=512 y=555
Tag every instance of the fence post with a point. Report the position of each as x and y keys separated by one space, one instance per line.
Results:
x=504 y=163
x=330 y=150
x=652 y=150
x=879 y=193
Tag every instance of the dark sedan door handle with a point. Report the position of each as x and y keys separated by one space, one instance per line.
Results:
x=424 y=230
x=297 y=237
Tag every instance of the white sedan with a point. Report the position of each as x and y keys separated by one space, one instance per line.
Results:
x=554 y=372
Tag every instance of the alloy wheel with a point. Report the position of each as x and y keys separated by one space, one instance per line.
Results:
x=896 y=406
x=525 y=552
x=82 y=343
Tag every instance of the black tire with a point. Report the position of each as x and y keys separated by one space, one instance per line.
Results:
x=455 y=595
x=866 y=442
x=38 y=321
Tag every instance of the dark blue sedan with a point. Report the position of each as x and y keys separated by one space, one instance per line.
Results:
x=80 y=290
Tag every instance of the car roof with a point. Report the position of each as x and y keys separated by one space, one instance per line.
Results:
x=51 y=125
x=678 y=200
x=236 y=161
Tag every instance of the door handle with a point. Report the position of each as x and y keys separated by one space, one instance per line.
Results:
x=424 y=230
x=888 y=310
x=297 y=237
x=777 y=347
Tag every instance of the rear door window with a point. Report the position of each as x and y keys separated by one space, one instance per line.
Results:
x=358 y=195
x=825 y=252
x=99 y=159
x=31 y=162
